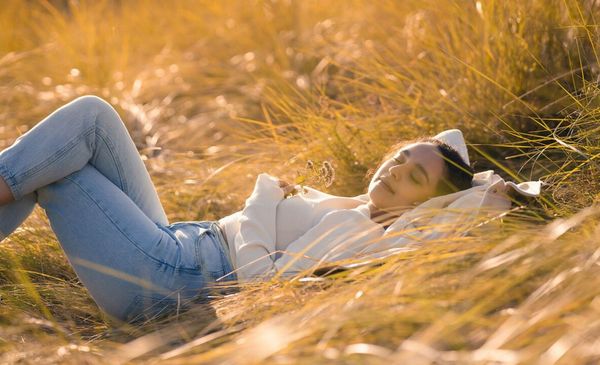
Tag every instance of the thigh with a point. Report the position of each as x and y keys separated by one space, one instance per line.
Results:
x=87 y=130
x=117 y=158
x=117 y=252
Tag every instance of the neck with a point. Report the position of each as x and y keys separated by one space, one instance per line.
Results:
x=383 y=217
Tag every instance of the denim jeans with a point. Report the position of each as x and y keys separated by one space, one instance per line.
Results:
x=81 y=166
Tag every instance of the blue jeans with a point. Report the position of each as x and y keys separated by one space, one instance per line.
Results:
x=81 y=166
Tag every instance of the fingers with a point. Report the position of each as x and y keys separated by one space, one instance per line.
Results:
x=289 y=189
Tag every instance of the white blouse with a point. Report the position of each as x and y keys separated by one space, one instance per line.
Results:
x=272 y=234
x=271 y=231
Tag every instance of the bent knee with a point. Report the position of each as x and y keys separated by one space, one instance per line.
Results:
x=99 y=111
x=91 y=101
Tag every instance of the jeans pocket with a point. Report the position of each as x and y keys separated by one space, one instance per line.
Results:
x=210 y=257
x=145 y=307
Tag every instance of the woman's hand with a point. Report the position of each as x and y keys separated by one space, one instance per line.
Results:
x=287 y=188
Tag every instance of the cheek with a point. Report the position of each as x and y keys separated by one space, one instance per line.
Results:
x=375 y=177
x=425 y=193
x=413 y=194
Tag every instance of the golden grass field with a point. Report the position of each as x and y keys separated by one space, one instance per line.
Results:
x=215 y=92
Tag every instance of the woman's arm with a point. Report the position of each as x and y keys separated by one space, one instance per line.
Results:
x=339 y=235
x=255 y=242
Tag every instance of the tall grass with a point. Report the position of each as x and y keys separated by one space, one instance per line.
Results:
x=215 y=92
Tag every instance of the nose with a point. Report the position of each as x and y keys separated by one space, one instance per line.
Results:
x=396 y=170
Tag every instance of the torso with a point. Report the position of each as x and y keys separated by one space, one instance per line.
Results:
x=296 y=215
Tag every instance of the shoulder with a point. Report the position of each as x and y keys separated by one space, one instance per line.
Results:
x=345 y=201
x=355 y=217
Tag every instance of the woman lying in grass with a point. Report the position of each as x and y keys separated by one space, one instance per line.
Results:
x=82 y=167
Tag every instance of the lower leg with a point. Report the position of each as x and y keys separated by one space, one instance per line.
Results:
x=5 y=193
x=13 y=214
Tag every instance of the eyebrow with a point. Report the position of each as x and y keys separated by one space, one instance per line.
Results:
x=419 y=166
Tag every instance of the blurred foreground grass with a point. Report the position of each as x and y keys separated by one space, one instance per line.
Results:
x=215 y=92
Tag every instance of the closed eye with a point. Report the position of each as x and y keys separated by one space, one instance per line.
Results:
x=414 y=179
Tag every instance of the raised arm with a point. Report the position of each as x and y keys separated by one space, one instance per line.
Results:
x=255 y=242
x=340 y=234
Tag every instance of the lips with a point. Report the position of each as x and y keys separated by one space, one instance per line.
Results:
x=388 y=187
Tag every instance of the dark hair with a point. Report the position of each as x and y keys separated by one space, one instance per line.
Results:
x=458 y=175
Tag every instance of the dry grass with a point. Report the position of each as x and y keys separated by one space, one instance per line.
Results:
x=215 y=92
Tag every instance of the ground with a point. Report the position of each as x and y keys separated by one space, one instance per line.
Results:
x=214 y=93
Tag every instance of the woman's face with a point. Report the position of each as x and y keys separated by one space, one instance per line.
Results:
x=410 y=176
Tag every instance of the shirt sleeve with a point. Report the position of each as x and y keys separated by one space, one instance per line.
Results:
x=339 y=235
x=255 y=243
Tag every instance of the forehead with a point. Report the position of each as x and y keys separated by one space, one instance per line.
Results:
x=426 y=154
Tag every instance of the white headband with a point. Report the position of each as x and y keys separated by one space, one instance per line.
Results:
x=454 y=138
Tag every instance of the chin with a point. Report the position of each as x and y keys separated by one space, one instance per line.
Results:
x=381 y=203
x=378 y=199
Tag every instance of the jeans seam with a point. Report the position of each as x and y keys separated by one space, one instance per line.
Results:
x=198 y=251
x=111 y=149
x=216 y=242
x=58 y=155
x=119 y=228
x=218 y=245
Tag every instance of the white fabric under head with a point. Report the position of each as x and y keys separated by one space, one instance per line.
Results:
x=454 y=138
x=527 y=188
